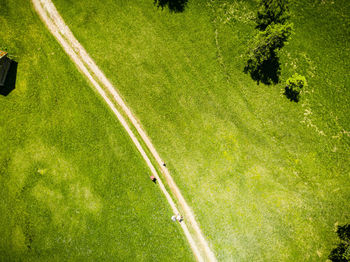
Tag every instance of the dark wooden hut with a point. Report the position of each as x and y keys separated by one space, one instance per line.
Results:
x=4 y=66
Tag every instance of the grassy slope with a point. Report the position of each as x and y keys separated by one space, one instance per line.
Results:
x=73 y=187
x=262 y=179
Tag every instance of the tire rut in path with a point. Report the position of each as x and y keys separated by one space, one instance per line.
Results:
x=56 y=25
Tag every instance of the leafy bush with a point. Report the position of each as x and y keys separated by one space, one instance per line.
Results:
x=294 y=86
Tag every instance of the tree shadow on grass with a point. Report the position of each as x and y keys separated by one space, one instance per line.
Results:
x=268 y=72
x=176 y=6
x=10 y=82
x=342 y=252
x=291 y=94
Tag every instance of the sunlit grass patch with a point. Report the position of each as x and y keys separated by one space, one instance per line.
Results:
x=73 y=186
x=266 y=178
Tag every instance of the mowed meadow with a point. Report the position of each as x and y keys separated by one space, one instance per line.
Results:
x=73 y=186
x=268 y=179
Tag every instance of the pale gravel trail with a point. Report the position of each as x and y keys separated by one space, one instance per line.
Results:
x=87 y=66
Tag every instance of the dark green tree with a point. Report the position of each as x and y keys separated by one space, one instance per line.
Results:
x=262 y=61
x=272 y=11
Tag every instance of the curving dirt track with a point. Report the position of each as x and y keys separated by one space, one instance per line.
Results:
x=56 y=25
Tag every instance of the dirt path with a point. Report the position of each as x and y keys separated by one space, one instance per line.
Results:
x=87 y=66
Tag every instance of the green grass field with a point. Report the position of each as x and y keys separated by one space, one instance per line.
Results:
x=73 y=186
x=268 y=179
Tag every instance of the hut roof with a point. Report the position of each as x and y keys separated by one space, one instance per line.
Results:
x=2 y=54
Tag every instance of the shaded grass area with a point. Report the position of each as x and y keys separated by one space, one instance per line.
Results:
x=73 y=187
x=267 y=178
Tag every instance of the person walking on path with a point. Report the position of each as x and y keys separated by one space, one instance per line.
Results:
x=179 y=218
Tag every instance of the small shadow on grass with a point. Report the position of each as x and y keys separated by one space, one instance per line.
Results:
x=342 y=252
x=10 y=82
x=291 y=94
x=176 y=6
